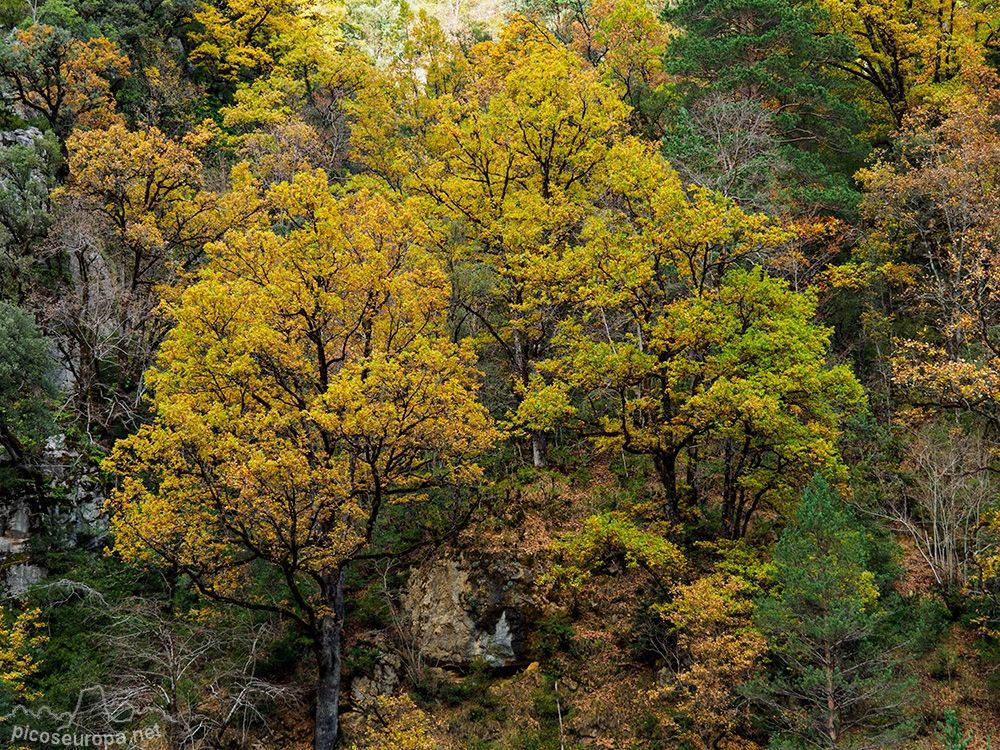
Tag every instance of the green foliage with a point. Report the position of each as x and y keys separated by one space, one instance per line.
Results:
x=650 y=732
x=823 y=622
x=25 y=388
x=553 y=635
x=27 y=174
x=11 y=12
x=572 y=460
x=742 y=57
x=75 y=657
x=449 y=690
x=945 y=664
x=134 y=25
x=361 y=658
x=545 y=704
x=548 y=740
x=921 y=622
x=285 y=653
x=950 y=733
x=612 y=536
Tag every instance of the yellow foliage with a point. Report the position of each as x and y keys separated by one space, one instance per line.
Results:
x=394 y=723
x=713 y=620
x=151 y=189
x=18 y=641
x=910 y=52
x=64 y=79
x=307 y=382
x=239 y=37
x=611 y=534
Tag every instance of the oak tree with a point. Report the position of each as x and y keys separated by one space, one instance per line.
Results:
x=144 y=197
x=933 y=204
x=673 y=350
x=905 y=50
x=67 y=81
x=510 y=161
x=307 y=385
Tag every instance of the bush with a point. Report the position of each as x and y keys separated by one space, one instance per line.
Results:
x=553 y=635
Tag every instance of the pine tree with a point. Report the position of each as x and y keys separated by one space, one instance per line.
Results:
x=833 y=684
x=762 y=102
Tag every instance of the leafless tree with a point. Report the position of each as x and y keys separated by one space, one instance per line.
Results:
x=941 y=509
x=196 y=677
x=200 y=677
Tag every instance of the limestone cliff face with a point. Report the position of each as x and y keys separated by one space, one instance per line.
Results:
x=19 y=137
x=462 y=608
x=75 y=512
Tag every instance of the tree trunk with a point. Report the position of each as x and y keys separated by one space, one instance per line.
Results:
x=327 y=648
x=525 y=369
x=666 y=469
x=831 y=703
x=539 y=449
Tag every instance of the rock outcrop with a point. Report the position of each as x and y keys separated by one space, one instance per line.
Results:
x=461 y=609
x=19 y=137
x=77 y=515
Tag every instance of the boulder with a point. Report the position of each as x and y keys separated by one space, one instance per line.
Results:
x=461 y=608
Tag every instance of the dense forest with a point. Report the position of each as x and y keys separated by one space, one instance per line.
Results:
x=559 y=374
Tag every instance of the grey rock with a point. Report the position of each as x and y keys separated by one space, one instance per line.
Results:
x=461 y=609
x=384 y=680
x=21 y=576
x=19 y=137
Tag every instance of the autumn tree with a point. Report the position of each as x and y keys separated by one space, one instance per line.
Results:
x=822 y=623
x=307 y=386
x=297 y=115
x=934 y=206
x=623 y=537
x=20 y=637
x=509 y=160
x=238 y=39
x=712 y=617
x=625 y=42
x=734 y=383
x=394 y=723
x=718 y=650
x=290 y=114
x=150 y=188
x=147 y=32
x=942 y=497
x=675 y=351
x=904 y=50
x=245 y=43
x=136 y=214
x=67 y=81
